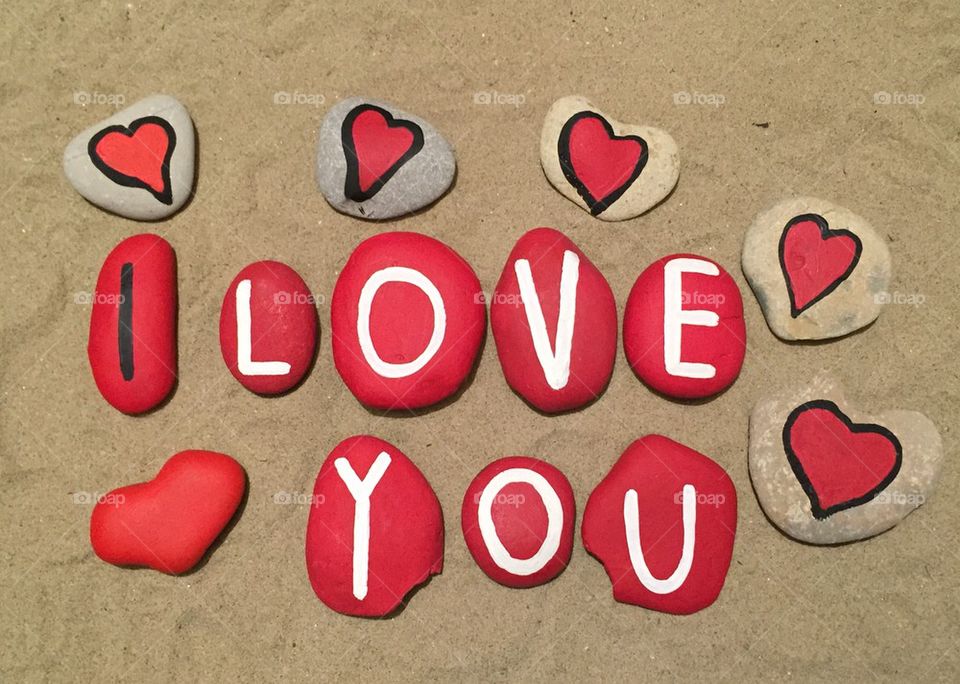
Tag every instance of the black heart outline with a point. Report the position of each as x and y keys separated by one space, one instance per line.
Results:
x=166 y=194
x=818 y=511
x=596 y=206
x=352 y=184
x=825 y=233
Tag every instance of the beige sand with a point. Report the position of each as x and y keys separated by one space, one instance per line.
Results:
x=781 y=101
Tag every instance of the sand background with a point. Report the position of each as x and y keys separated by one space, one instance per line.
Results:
x=885 y=608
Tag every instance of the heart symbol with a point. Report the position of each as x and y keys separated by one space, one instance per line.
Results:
x=169 y=522
x=137 y=156
x=815 y=259
x=376 y=145
x=600 y=165
x=840 y=464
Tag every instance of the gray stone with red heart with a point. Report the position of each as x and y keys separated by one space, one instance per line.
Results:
x=826 y=472
x=376 y=161
x=613 y=170
x=138 y=163
x=817 y=269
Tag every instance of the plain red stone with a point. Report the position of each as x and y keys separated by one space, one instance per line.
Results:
x=406 y=531
x=169 y=522
x=154 y=324
x=520 y=519
x=594 y=344
x=283 y=325
x=723 y=346
x=657 y=468
x=402 y=321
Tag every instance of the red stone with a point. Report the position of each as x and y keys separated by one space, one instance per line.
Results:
x=169 y=522
x=133 y=325
x=658 y=470
x=419 y=362
x=706 y=359
x=562 y=382
x=280 y=333
x=519 y=529
x=368 y=569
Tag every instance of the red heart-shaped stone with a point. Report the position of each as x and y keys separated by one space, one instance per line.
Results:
x=169 y=522
x=840 y=464
x=815 y=259
x=599 y=164
x=376 y=145
x=137 y=155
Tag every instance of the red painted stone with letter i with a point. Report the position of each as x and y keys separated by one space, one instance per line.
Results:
x=132 y=345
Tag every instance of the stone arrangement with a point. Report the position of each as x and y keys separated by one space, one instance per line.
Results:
x=408 y=318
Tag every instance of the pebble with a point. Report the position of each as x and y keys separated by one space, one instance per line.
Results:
x=554 y=319
x=663 y=523
x=407 y=318
x=613 y=170
x=517 y=517
x=138 y=163
x=818 y=270
x=132 y=345
x=376 y=161
x=375 y=529
x=827 y=472
x=683 y=328
x=268 y=328
x=169 y=522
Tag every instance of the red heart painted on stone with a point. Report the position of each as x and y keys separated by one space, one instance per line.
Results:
x=137 y=155
x=376 y=145
x=815 y=259
x=840 y=464
x=169 y=522
x=599 y=164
